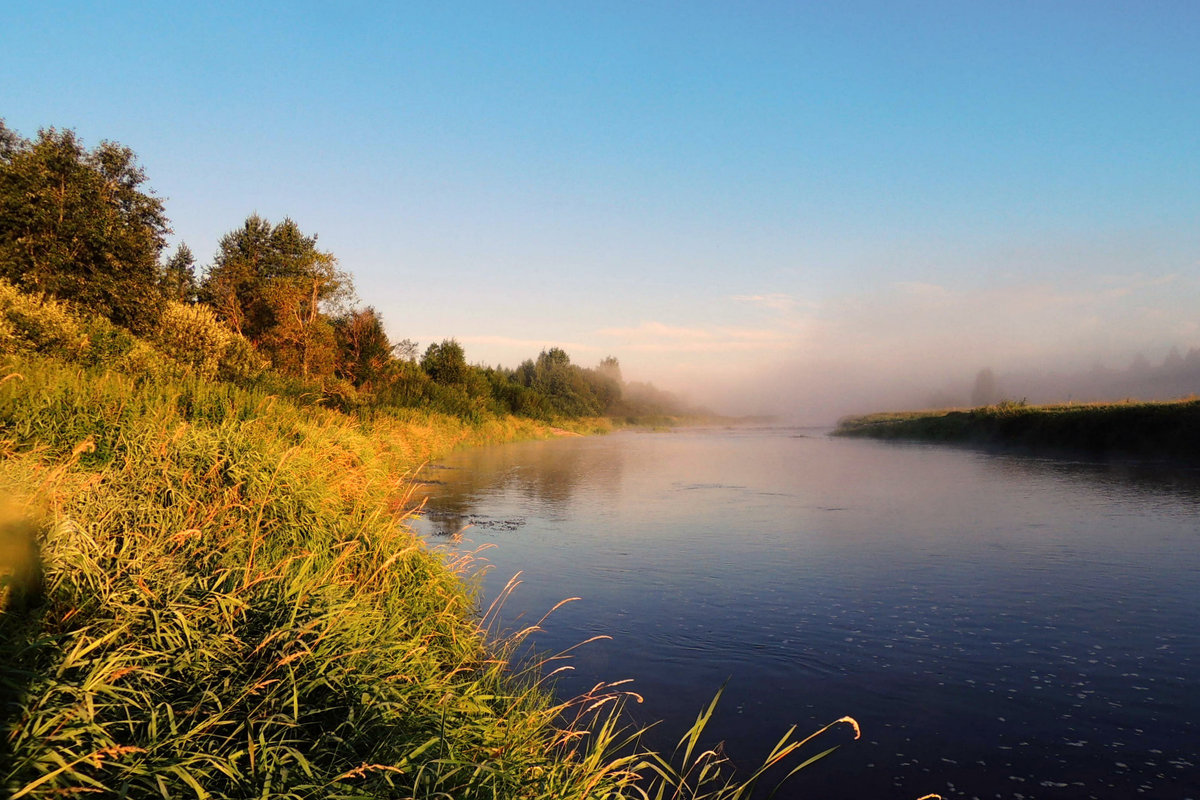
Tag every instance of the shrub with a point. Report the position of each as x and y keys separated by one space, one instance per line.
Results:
x=143 y=361
x=341 y=394
x=36 y=323
x=192 y=335
x=107 y=343
x=240 y=362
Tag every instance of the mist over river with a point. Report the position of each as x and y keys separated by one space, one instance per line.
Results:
x=1001 y=626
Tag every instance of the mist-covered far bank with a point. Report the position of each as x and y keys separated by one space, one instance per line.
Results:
x=920 y=346
x=821 y=394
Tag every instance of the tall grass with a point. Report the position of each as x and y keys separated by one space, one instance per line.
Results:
x=231 y=600
x=228 y=604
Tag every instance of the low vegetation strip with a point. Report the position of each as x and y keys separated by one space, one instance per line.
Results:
x=1169 y=429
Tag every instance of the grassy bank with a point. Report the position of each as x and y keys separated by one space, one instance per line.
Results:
x=227 y=600
x=209 y=591
x=1168 y=430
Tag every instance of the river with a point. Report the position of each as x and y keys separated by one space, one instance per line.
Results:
x=1001 y=626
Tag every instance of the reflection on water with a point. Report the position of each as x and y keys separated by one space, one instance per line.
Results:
x=544 y=474
x=1002 y=626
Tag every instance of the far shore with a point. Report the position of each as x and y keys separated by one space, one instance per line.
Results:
x=1136 y=429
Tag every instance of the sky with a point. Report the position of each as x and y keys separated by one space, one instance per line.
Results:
x=800 y=207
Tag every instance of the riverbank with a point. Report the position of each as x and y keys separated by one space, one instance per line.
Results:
x=217 y=591
x=211 y=590
x=1144 y=430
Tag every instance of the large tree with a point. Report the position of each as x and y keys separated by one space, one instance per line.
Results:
x=565 y=385
x=274 y=286
x=233 y=284
x=178 y=278
x=446 y=363
x=77 y=224
x=364 y=351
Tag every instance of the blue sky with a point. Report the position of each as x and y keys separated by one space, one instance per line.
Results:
x=712 y=192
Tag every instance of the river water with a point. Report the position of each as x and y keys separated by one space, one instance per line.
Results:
x=1002 y=626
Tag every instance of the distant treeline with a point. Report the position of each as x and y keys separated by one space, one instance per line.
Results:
x=77 y=227
x=1177 y=375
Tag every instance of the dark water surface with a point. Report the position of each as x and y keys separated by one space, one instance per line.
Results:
x=1001 y=626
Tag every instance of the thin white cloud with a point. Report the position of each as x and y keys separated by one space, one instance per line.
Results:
x=775 y=302
x=1140 y=280
x=929 y=293
x=659 y=337
x=527 y=344
x=658 y=331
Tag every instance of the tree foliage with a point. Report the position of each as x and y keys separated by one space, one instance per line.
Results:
x=178 y=279
x=82 y=272
x=364 y=351
x=192 y=335
x=446 y=363
x=571 y=390
x=76 y=224
x=272 y=284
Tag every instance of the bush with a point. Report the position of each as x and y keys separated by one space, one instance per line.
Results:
x=107 y=343
x=192 y=335
x=143 y=361
x=240 y=362
x=341 y=394
x=35 y=323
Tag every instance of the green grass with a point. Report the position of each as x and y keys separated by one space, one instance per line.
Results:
x=210 y=591
x=1166 y=429
x=232 y=602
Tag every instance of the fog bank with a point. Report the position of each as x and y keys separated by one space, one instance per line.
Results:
x=922 y=345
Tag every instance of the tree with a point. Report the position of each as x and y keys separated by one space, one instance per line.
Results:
x=75 y=223
x=233 y=282
x=364 y=351
x=178 y=279
x=272 y=285
x=605 y=382
x=10 y=141
x=610 y=368
x=406 y=350
x=565 y=385
x=302 y=340
x=985 y=391
x=446 y=363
